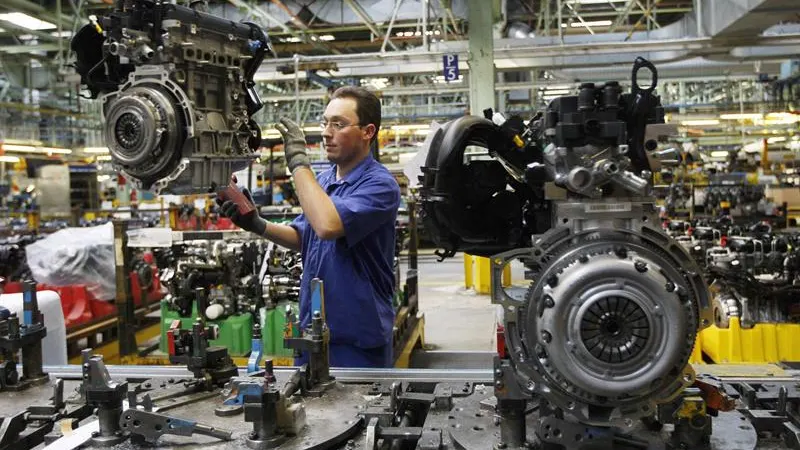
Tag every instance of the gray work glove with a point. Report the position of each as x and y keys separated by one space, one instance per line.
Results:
x=294 y=144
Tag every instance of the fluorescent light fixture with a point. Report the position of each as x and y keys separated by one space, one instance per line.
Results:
x=413 y=126
x=775 y=140
x=26 y=21
x=700 y=123
x=313 y=129
x=294 y=39
x=18 y=148
x=594 y=2
x=63 y=34
x=102 y=178
x=719 y=154
x=9 y=159
x=32 y=149
x=557 y=92
x=591 y=23
x=327 y=37
x=56 y=150
x=422 y=132
x=103 y=158
x=22 y=142
x=95 y=150
x=558 y=87
x=741 y=116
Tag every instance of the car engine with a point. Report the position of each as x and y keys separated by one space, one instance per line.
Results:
x=177 y=93
x=607 y=325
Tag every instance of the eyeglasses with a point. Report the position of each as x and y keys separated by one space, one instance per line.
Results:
x=337 y=126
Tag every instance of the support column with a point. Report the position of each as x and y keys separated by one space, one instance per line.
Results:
x=481 y=56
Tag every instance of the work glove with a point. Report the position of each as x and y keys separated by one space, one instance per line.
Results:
x=249 y=222
x=294 y=144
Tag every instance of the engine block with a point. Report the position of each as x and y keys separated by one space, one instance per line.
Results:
x=605 y=330
x=177 y=93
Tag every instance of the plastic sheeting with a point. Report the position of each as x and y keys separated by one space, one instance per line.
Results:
x=76 y=256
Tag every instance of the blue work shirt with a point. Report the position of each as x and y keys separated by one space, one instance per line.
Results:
x=357 y=268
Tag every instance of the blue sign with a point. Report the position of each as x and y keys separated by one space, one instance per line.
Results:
x=450 y=67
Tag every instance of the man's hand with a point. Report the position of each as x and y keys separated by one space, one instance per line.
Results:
x=249 y=222
x=294 y=144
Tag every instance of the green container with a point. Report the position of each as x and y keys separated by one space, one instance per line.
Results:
x=235 y=332
x=273 y=322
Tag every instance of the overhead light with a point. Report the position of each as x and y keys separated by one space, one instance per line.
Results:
x=775 y=140
x=18 y=148
x=293 y=39
x=55 y=150
x=102 y=178
x=741 y=116
x=95 y=150
x=422 y=132
x=719 y=154
x=700 y=123
x=591 y=23
x=327 y=37
x=63 y=34
x=413 y=126
x=103 y=158
x=312 y=129
x=2 y=30
x=557 y=92
x=9 y=159
x=35 y=149
x=25 y=21
x=594 y=2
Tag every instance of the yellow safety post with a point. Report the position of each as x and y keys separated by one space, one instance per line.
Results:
x=468 y=280
x=33 y=220
x=763 y=343
x=478 y=274
x=483 y=275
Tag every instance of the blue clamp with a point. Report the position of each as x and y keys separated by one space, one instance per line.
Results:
x=256 y=353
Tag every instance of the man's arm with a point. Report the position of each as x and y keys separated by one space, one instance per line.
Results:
x=283 y=235
x=317 y=206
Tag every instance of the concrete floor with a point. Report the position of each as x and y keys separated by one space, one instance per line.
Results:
x=456 y=319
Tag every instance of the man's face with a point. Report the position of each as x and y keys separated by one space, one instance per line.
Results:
x=345 y=138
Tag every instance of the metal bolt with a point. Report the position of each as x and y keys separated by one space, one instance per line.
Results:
x=640 y=266
x=498 y=372
x=621 y=252
x=549 y=302
x=670 y=286
x=540 y=352
x=583 y=259
x=552 y=281
x=546 y=337
x=498 y=384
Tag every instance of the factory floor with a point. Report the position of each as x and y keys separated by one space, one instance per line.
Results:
x=459 y=323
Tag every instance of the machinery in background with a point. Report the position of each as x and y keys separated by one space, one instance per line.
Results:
x=753 y=270
x=211 y=403
x=569 y=195
x=239 y=279
x=13 y=263
x=177 y=91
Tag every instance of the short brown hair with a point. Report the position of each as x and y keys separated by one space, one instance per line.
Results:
x=368 y=106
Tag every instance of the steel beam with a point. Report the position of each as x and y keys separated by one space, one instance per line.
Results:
x=367 y=20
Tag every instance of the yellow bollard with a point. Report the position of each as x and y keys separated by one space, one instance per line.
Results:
x=468 y=280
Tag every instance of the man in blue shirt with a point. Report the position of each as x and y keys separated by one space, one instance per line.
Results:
x=347 y=230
